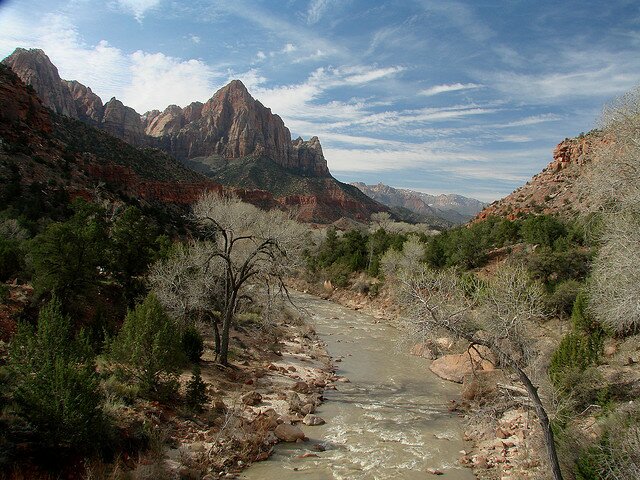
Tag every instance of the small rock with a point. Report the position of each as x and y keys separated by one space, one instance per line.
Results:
x=307 y=455
x=300 y=387
x=434 y=471
x=308 y=408
x=318 y=447
x=252 y=398
x=313 y=420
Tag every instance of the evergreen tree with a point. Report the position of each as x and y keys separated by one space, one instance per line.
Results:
x=55 y=383
x=148 y=348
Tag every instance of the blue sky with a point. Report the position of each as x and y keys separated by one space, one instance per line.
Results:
x=439 y=96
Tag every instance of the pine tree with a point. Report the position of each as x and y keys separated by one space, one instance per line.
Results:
x=55 y=382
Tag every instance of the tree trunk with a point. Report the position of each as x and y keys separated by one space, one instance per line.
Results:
x=532 y=391
x=544 y=423
x=226 y=325
x=216 y=337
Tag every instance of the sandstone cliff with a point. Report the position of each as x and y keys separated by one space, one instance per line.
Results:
x=231 y=125
x=35 y=69
x=555 y=190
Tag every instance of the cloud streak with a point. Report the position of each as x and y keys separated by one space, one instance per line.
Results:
x=448 y=87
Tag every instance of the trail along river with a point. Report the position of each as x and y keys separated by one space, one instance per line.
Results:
x=390 y=422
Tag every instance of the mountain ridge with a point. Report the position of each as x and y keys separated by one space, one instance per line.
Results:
x=230 y=127
x=452 y=208
x=556 y=190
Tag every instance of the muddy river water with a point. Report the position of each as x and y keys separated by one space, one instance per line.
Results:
x=390 y=421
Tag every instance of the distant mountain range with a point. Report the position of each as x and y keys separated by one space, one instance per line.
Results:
x=453 y=209
x=232 y=139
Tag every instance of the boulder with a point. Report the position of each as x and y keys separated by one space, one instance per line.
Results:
x=295 y=404
x=454 y=367
x=289 y=433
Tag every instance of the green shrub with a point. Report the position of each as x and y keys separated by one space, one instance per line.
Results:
x=542 y=230
x=575 y=353
x=66 y=255
x=196 y=395
x=192 y=344
x=147 y=348
x=562 y=300
x=11 y=259
x=55 y=383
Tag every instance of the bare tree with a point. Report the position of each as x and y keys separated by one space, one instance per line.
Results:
x=189 y=285
x=490 y=314
x=613 y=186
x=249 y=246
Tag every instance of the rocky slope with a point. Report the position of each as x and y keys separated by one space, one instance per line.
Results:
x=216 y=138
x=452 y=208
x=46 y=157
x=555 y=190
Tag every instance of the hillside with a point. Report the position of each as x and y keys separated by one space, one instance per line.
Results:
x=217 y=139
x=45 y=157
x=453 y=209
x=556 y=189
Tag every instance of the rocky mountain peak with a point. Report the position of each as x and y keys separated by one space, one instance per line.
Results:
x=34 y=68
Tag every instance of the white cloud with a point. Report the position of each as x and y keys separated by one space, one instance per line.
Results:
x=159 y=80
x=251 y=79
x=260 y=55
x=141 y=80
x=317 y=9
x=448 y=87
x=138 y=7
x=195 y=39
x=289 y=47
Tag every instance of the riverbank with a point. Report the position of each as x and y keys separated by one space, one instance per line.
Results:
x=275 y=380
x=503 y=432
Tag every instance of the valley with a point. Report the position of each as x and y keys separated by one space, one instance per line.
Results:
x=190 y=293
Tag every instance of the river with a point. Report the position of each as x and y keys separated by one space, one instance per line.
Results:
x=390 y=422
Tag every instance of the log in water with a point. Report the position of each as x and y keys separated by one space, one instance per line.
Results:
x=390 y=422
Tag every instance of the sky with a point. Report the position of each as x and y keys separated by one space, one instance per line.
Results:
x=466 y=97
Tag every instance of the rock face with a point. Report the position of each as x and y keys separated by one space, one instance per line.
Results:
x=72 y=99
x=450 y=207
x=88 y=105
x=123 y=122
x=19 y=108
x=555 y=190
x=232 y=124
x=35 y=69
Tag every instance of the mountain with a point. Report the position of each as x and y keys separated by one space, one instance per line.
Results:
x=218 y=139
x=451 y=208
x=46 y=158
x=556 y=189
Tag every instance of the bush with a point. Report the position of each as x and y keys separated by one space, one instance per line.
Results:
x=196 y=395
x=575 y=353
x=66 y=255
x=542 y=230
x=561 y=301
x=192 y=344
x=147 y=348
x=56 y=386
x=11 y=259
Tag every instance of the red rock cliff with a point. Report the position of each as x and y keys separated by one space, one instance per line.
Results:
x=555 y=190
